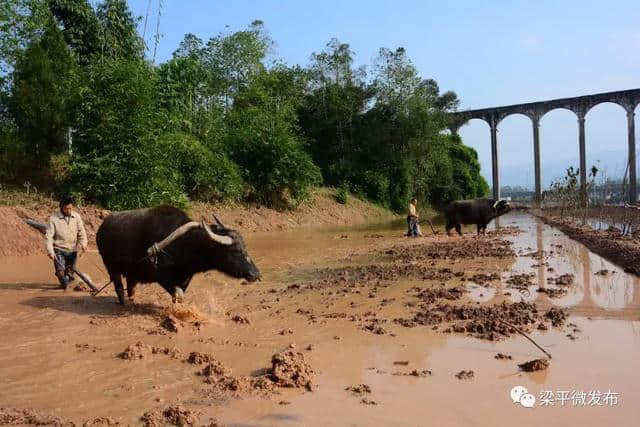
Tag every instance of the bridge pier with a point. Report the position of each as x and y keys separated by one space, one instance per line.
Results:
x=633 y=180
x=583 y=152
x=494 y=159
x=536 y=160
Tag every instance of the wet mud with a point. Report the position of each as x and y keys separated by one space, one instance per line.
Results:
x=371 y=329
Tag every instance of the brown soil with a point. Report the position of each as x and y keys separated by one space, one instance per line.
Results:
x=360 y=389
x=140 y=350
x=289 y=369
x=454 y=248
x=610 y=244
x=29 y=417
x=483 y=322
x=553 y=293
x=562 y=280
x=465 y=375
x=501 y=356
x=19 y=239
x=13 y=416
x=557 y=316
x=173 y=415
x=521 y=281
x=534 y=365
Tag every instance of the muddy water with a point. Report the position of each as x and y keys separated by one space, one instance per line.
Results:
x=58 y=351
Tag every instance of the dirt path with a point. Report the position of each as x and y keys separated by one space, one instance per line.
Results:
x=349 y=327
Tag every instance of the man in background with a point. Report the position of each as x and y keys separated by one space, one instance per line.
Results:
x=65 y=235
x=412 y=220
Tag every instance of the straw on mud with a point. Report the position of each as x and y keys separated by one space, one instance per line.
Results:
x=525 y=335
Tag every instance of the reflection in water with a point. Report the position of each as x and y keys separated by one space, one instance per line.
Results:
x=598 y=283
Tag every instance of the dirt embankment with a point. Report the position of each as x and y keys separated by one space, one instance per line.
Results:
x=610 y=244
x=19 y=239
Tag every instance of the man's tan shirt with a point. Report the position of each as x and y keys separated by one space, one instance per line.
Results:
x=412 y=210
x=66 y=233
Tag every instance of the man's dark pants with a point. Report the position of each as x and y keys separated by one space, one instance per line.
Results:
x=64 y=263
x=412 y=223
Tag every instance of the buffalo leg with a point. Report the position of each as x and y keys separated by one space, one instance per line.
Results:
x=131 y=288
x=117 y=282
x=448 y=228
x=185 y=284
x=459 y=229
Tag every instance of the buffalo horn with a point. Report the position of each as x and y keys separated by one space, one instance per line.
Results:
x=223 y=240
x=173 y=236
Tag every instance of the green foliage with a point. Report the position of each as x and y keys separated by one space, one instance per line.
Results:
x=119 y=38
x=80 y=26
x=206 y=175
x=118 y=161
x=271 y=156
x=342 y=193
x=45 y=91
x=218 y=121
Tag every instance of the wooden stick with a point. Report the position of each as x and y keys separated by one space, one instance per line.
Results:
x=526 y=336
x=95 y=294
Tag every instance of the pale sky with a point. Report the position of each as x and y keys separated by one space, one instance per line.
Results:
x=490 y=53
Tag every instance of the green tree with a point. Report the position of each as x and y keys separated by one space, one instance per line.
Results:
x=336 y=98
x=118 y=161
x=119 y=38
x=263 y=139
x=81 y=28
x=45 y=92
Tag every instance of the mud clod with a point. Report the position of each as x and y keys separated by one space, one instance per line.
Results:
x=171 y=324
x=534 y=365
x=465 y=375
x=557 y=316
x=502 y=356
x=289 y=369
x=243 y=320
x=14 y=416
x=173 y=415
x=562 y=280
x=359 y=389
x=139 y=350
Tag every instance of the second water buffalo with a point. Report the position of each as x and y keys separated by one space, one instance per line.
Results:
x=476 y=211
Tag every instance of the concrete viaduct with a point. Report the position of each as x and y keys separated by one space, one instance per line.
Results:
x=580 y=105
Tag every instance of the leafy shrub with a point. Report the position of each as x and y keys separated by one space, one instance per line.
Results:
x=375 y=186
x=342 y=193
x=272 y=158
x=206 y=175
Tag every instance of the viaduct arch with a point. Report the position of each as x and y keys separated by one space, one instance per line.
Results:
x=580 y=106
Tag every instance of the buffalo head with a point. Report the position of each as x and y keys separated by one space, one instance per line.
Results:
x=231 y=256
x=501 y=207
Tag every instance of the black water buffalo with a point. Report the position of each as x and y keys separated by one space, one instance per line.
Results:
x=476 y=211
x=164 y=245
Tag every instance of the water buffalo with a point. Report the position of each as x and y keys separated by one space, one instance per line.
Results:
x=164 y=245
x=476 y=211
